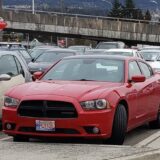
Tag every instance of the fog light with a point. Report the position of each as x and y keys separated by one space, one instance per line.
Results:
x=95 y=130
x=8 y=126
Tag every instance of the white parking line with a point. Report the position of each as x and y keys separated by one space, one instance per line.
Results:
x=6 y=138
x=148 y=140
x=139 y=155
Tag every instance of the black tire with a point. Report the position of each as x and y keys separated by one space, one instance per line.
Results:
x=119 y=126
x=20 y=139
x=156 y=123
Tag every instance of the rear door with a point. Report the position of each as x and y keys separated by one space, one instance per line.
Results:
x=9 y=66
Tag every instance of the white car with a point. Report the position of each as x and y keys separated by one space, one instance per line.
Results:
x=13 y=71
x=123 y=52
x=153 y=58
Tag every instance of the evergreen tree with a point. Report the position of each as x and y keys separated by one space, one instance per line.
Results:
x=129 y=9
x=116 y=10
x=147 y=15
x=129 y=4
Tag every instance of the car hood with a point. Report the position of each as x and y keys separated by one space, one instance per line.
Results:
x=39 y=66
x=78 y=90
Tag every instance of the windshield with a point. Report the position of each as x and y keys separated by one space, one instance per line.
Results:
x=37 y=52
x=120 y=53
x=87 y=70
x=150 y=56
x=24 y=53
x=51 y=56
x=107 y=46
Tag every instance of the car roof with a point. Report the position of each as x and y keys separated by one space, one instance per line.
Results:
x=8 y=53
x=112 y=42
x=102 y=56
x=121 y=50
x=96 y=49
x=150 y=50
x=78 y=46
x=61 y=50
x=12 y=43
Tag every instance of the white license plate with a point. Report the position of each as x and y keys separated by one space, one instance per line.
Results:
x=45 y=125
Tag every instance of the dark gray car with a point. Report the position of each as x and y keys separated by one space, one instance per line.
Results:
x=48 y=58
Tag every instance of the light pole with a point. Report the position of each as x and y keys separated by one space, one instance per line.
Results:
x=62 y=5
x=1 y=1
x=33 y=7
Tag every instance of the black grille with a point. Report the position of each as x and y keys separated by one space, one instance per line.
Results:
x=57 y=130
x=47 y=109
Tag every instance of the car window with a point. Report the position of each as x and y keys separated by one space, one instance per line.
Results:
x=19 y=66
x=147 y=71
x=134 y=69
x=8 y=65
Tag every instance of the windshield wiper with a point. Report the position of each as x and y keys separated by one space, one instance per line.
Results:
x=83 y=80
x=149 y=60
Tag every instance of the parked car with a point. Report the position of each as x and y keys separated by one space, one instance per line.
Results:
x=150 y=48
x=48 y=58
x=37 y=51
x=110 y=45
x=152 y=57
x=85 y=96
x=13 y=71
x=124 y=52
x=14 y=46
x=80 y=49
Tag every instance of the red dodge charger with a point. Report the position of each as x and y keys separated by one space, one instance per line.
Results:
x=94 y=96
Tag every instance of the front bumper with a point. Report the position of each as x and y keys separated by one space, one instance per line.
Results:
x=82 y=126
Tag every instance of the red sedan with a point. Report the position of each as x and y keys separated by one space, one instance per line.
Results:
x=85 y=96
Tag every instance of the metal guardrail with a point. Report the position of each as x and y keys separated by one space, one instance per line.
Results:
x=84 y=16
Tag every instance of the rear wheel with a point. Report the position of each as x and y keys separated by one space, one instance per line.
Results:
x=156 y=123
x=119 y=126
x=20 y=139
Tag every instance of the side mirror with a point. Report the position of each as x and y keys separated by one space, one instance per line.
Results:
x=36 y=75
x=138 y=78
x=5 y=77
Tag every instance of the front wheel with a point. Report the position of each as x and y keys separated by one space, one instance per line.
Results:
x=119 y=126
x=156 y=123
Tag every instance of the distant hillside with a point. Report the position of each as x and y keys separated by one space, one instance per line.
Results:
x=148 y=4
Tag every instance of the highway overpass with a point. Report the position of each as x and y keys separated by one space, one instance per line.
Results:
x=97 y=28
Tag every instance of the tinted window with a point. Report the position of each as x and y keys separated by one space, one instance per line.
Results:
x=8 y=65
x=134 y=69
x=147 y=71
x=87 y=69
x=150 y=55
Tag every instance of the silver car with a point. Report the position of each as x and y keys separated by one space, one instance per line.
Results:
x=13 y=71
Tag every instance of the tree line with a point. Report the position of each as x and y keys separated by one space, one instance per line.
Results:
x=128 y=10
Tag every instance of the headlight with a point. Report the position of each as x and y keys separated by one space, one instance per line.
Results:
x=95 y=104
x=10 y=102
